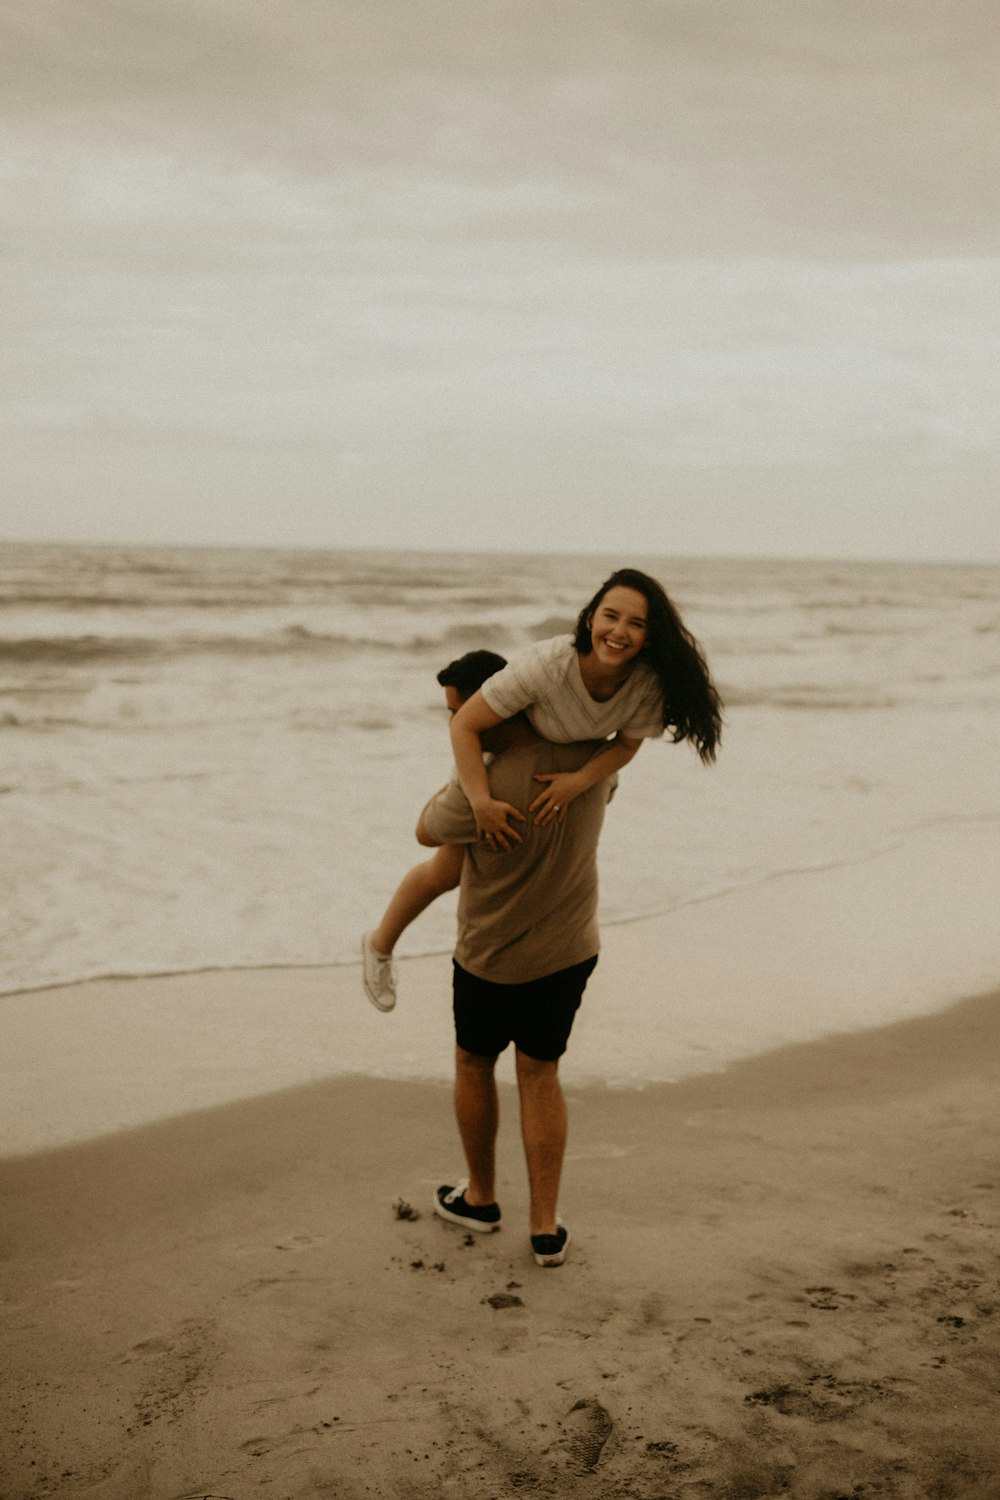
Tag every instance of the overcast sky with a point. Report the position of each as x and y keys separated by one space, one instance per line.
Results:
x=694 y=276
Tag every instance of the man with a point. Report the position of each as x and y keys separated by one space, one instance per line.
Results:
x=527 y=944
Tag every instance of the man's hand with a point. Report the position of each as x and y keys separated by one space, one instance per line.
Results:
x=492 y=823
x=551 y=804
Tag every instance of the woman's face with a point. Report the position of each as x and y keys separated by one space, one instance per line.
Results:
x=618 y=627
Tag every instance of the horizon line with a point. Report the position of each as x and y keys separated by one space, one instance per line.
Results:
x=106 y=543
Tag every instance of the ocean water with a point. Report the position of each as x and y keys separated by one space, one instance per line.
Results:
x=215 y=758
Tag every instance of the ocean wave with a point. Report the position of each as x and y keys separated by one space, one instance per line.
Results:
x=473 y=635
x=154 y=569
x=84 y=650
x=130 y=721
x=201 y=600
x=853 y=602
x=361 y=588
x=807 y=697
x=46 y=723
x=874 y=632
x=550 y=626
x=73 y=650
x=488 y=600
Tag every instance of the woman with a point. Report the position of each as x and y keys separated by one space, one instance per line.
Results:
x=631 y=670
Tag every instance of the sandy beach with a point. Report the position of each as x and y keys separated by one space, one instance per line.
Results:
x=783 y=1282
x=343 y=340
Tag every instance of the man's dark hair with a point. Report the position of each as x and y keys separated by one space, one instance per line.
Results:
x=470 y=671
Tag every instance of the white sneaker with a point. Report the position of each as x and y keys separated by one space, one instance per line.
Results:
x=379 y=974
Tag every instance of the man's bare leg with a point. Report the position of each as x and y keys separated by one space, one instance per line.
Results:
x=478 y=1114
x=417 y=889
x=543 y=1130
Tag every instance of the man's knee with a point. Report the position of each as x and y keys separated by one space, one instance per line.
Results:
x=472 y=1064
x=536 y=1072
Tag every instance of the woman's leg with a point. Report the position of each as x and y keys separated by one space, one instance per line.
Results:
x=417 y=889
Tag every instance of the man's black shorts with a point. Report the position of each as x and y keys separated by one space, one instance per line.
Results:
x=537 y=1017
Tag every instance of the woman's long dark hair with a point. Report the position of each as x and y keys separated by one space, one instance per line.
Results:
x=692 y=709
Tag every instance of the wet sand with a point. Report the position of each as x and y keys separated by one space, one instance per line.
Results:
x=783 y=1282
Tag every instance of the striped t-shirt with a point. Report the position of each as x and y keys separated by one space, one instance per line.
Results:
x=545 y=681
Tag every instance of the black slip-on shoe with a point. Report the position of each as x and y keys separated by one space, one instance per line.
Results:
x=550 y=1249
x=450 y=1204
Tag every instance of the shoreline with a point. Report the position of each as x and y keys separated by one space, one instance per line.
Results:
x=978 y=846
x=80 y=1097
x=676 y=996
x=804 y=1303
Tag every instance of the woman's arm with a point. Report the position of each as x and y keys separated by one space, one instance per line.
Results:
x=563 y=786
x=467 y=725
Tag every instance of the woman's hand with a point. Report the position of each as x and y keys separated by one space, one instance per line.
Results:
x=551 y=804
x=492 y=824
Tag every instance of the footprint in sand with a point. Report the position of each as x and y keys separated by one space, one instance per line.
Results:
x=828 y=1299
x=600 y=1153
x=587 y=1427
x=256 y=1447
x=145 y=1350
x=171 y=1373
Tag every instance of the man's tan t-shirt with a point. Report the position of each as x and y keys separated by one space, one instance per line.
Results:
x=532 y=911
